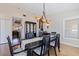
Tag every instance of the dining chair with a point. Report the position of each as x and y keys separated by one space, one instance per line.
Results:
x=40 y=33
x=17 y=51
x=53 y=33
x=16 y=42
x=55 y=42
x=43 y=49
x=58 y=41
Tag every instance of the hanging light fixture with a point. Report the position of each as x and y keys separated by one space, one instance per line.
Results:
x=43 y=17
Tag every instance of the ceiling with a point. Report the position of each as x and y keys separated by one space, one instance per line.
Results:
x=51 y=8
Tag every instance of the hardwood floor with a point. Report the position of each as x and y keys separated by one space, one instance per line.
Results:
x=4 y=50
x=65 y=51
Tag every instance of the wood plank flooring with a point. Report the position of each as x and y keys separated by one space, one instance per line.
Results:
x=65 y=51
x=4 y=50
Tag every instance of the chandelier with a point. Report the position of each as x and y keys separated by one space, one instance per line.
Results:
x=43 y=17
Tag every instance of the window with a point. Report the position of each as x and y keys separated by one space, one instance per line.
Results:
x=71 y=28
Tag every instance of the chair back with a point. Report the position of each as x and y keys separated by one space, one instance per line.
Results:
x=53 y=33
x=58 y=36
x=29 y=50
x=16 y=41
x=58 y=39
x=46 y=41
x=10 y=46
x=13 y=43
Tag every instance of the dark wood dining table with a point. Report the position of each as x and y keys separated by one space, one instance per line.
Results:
x=30 y=42
x=34 y=41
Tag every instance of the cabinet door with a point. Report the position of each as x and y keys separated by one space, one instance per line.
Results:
x=27 y=28
x=32 y=28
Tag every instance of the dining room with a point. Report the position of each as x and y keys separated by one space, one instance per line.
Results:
x=39 y=29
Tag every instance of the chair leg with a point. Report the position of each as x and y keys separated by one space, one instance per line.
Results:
x=58 y=49
x=55 y=51
x=20 y=46
x=29 y=52
x=48 y=53
x=59 y=44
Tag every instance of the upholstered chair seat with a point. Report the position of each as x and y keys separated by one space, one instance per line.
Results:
x=15 y=41
x=52 y=43
x=37 y=50
x=17 y=50
x=21 y=54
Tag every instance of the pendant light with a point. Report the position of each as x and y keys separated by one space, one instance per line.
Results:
x=45 y=20
x=43 y=17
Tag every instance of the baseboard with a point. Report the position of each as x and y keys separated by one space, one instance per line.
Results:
x=70 y=44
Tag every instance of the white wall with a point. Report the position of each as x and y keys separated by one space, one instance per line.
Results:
x=5 y=30
x=59 y=26
x=2 y=30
